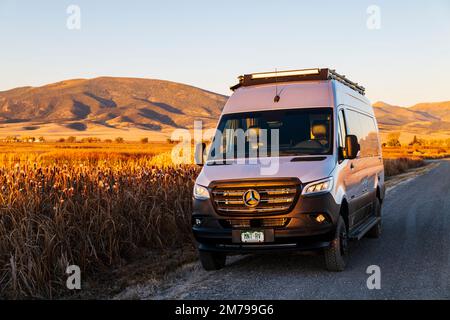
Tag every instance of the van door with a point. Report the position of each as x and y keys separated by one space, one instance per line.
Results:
x=348 y=170
x=356 y=178
x=371 y=151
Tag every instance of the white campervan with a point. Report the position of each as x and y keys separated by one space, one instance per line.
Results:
x=327 y=186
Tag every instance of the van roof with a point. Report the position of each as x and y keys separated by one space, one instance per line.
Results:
x=305 y=94
x=295 y=95
x=296 y=76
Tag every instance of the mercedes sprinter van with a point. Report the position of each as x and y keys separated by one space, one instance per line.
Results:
x=295 y=164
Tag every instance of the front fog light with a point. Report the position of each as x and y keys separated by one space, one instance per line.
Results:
x=320 y=218
x=200 y=192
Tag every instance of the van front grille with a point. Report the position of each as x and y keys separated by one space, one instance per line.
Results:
x=273 y=197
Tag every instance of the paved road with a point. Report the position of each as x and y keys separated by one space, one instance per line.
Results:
x=413 y=254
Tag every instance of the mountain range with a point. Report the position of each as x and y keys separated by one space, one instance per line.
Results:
x=424 y=120
x=106 y=107
x=133 y=108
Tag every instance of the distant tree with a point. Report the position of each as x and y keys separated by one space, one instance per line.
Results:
x=90 y=140
x=120 y=140
x=415 y=142
x=61 y=140
x=144 y=140
x=71 y=139
x=393 y=139
x=41 y=139
x=107 y=141
x=170 y=141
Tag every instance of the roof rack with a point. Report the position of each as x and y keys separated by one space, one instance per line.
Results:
x=296 y=75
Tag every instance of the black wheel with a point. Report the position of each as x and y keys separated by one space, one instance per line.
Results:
x=336 y=254
x=212 y=260
x=375 y=232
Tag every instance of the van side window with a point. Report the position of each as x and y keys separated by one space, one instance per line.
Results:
x=374 y=141
x=364 y=128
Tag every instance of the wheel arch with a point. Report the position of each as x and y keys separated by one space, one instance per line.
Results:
x=379 y=195
x=344 y=212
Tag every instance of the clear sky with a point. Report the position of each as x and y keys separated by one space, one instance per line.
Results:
x=208 y=43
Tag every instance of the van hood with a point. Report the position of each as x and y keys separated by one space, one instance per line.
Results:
x=305 y=168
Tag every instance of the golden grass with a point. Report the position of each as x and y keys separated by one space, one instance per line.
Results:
x=92 y=212
x=69 y=152
x=393 y=167
x=398 y=160
x=417 y=152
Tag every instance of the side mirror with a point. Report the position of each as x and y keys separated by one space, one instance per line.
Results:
x=351 y=147
x=200 y=153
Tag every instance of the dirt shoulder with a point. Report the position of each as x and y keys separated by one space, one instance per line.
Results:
x=151 y=269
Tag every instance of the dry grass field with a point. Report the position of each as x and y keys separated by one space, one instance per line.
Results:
x=99 y=206
x=398 y=160
x=89 y=205
x=419 y=152
x=82 y=152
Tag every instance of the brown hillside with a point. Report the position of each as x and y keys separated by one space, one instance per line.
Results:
x=79 y=106
x=426 y=120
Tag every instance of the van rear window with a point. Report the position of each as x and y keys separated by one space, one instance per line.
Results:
x=300 y=132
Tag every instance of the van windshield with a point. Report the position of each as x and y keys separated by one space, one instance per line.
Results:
x=300 y=132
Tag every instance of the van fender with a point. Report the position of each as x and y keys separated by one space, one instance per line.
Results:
x=339 y=195
x=341 y=200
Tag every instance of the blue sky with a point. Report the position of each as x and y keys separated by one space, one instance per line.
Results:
x=208 y=43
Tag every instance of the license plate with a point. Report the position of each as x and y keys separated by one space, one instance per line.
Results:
x=252 y=236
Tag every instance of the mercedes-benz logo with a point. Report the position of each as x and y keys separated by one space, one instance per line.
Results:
x=251 y=198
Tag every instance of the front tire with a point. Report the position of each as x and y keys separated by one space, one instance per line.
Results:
x=212 y=260
x=336 y=254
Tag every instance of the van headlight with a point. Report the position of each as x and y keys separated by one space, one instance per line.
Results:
x=200 y=192
x=321 y=186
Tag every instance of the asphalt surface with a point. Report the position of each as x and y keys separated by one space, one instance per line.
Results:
x=413 y=254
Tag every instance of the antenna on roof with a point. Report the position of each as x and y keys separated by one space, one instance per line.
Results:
x=277 y=97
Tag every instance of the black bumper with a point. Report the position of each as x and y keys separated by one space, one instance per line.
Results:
x=302 y=231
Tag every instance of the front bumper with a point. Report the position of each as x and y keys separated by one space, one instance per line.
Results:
x=302 y=231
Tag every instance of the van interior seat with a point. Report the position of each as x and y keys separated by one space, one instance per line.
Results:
x=319 y=130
